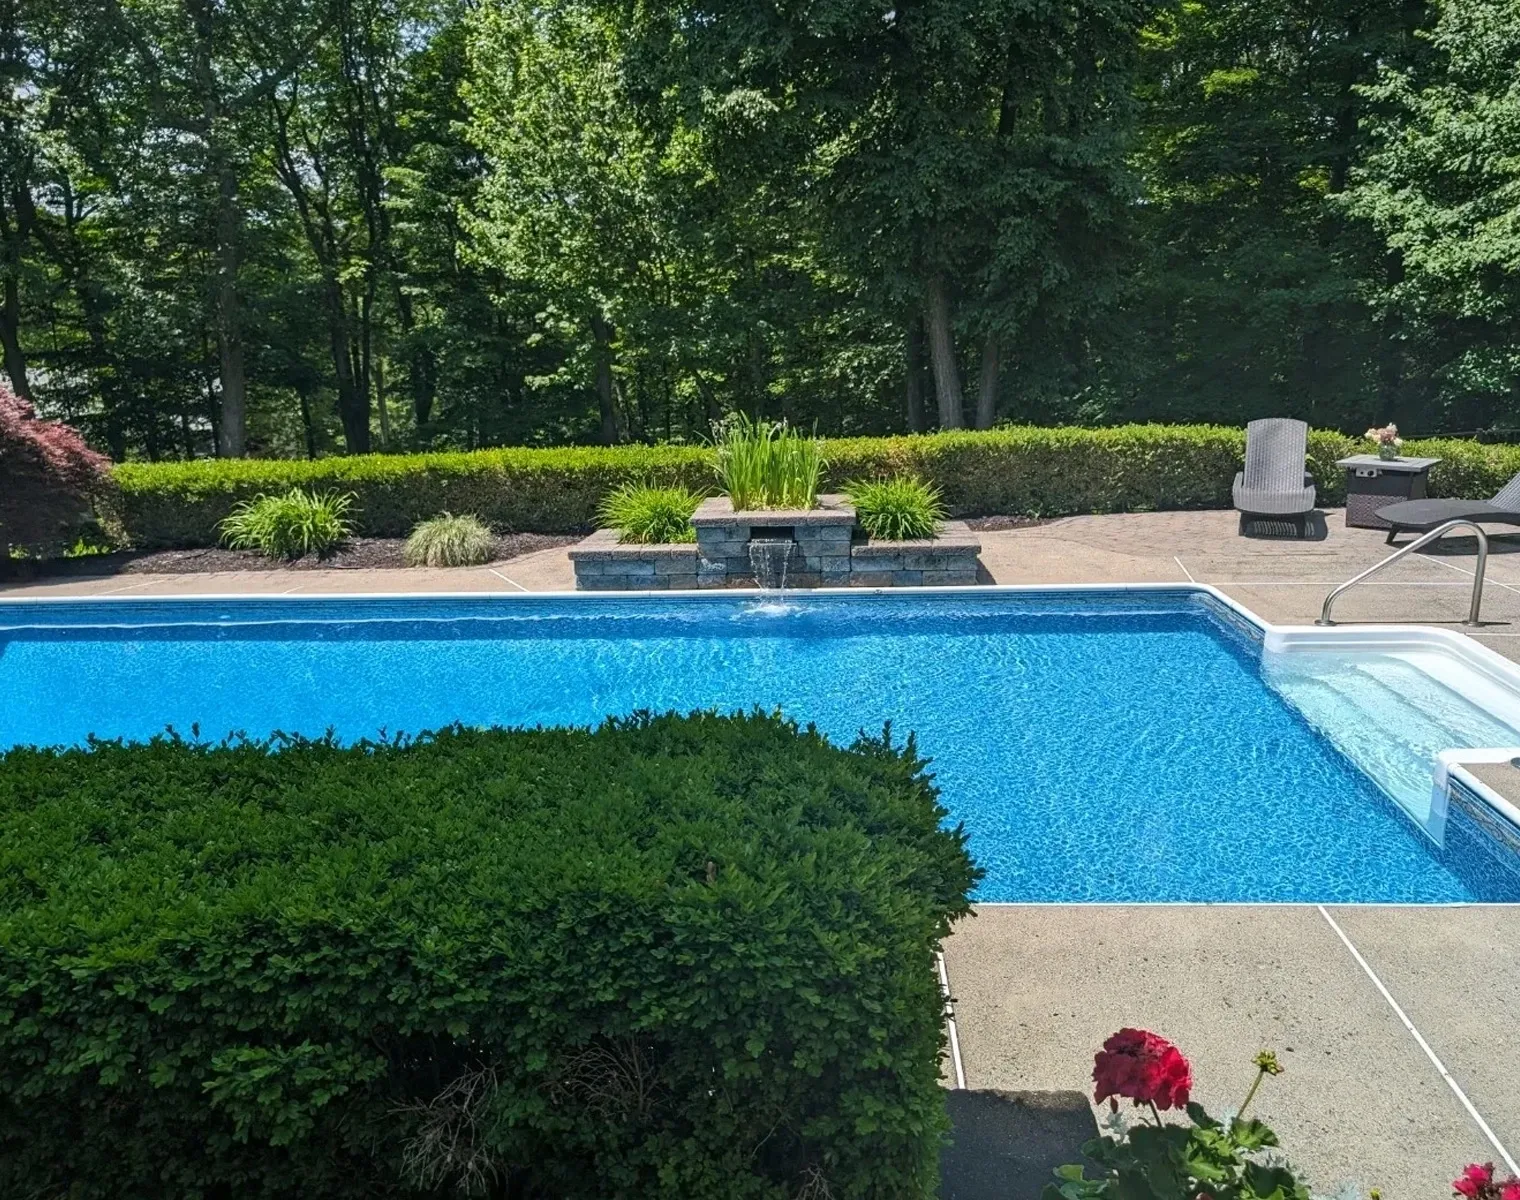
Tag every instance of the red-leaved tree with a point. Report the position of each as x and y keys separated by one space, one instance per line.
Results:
x=48 y=477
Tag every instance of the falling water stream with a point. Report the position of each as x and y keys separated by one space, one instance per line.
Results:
x=768 y=560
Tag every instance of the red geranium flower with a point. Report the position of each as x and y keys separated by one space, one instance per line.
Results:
x=1144 y=1068
x=1478 y=1183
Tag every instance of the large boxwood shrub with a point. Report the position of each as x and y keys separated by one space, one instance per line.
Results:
x=1030 y=470
x=683 y=957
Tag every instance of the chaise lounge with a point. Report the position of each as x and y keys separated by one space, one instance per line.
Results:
x=1275 y=484
x=1421 y=516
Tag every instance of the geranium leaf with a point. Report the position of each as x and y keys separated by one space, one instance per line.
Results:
x=1251 y=1135
x=1272 y=1183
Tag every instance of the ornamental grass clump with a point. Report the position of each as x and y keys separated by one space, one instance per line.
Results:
x=1155 y=1160
x=291 y=524
x=901 y=509
x=767 y=465
x=647 y=515
x=449 y=541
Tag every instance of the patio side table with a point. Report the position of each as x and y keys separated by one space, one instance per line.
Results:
x=1373 y=483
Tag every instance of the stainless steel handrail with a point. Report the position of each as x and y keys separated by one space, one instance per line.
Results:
x=1423 y=540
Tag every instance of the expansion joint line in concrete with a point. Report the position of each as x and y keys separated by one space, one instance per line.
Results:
x=955 y=1040
x=1464 y=571
x=508 y=579
x=1435 y=1059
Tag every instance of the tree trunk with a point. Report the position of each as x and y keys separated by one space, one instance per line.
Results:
x=213 y=413
x=914 y=367
x=353 y=406
x=380 y=403
x=421 y=377
x=987 y=387
x=601 y=334
x=947 y=378
x=1390 y=353
x=10 y=337
x=219 y=168
x=421 y=368
x=229 y=333
x=307 y=425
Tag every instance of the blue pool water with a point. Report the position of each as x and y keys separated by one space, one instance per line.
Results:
x=1098 y=747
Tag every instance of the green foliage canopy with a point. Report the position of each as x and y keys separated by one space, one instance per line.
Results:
x=294 y=228
x=1442 y=184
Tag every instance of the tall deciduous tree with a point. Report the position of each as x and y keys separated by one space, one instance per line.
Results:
x=964 y=159
x=576 y=201
x=1442 y=184
x=1251 y=298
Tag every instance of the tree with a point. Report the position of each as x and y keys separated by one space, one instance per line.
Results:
x=298 y=227
x=575 y=201
x=1250 y=298
x=962 y=159
x=50 y=475
x=1442 y=185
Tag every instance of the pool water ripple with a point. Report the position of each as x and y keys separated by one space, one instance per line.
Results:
x=1098 y=747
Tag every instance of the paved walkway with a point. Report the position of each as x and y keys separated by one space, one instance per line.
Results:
x=1397 y=1025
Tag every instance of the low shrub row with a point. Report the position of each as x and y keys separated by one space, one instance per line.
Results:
x=513 y=490
x=1028 y=470
x=675 y=956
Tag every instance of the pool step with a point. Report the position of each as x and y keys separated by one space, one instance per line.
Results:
x=1391 y=717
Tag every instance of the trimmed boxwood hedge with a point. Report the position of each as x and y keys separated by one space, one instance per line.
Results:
x=1030 y=470
x=676 y=956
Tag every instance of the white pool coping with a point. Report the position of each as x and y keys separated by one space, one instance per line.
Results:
x=1491 y=667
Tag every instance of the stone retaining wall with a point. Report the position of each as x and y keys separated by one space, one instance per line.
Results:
x=949 y=559
x=603 y=564
x=828 y=551
x=822 y=536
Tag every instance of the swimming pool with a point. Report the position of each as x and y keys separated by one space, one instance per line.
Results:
x=1098 y=746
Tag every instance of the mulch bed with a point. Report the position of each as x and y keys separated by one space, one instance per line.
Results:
x=356 y=554
x=994 y=524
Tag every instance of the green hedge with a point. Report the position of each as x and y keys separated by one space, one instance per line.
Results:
x=1023 y=470
x=682 y=957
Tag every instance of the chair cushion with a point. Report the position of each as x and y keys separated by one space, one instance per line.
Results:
x=1427 y=514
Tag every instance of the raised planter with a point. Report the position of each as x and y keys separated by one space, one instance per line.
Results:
x=816 y=547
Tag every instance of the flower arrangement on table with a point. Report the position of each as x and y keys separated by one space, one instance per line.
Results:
x=1388 y=441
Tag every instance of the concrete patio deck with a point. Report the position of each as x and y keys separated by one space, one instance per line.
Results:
x=1038 y=988
x=1397 y=1026
x=1282 y=579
